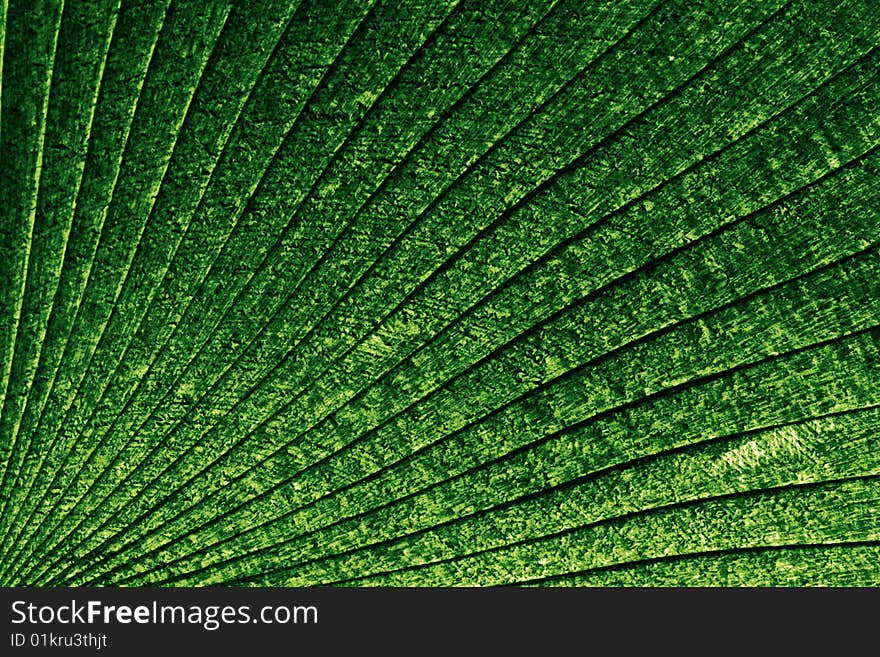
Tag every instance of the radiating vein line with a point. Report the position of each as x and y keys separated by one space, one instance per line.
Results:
x=672 y=558
x=4 y=10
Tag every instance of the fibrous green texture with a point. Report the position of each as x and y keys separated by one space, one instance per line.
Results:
x=440 y=292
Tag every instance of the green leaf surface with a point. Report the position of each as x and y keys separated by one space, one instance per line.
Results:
x=448 y=292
